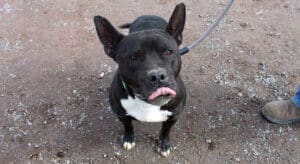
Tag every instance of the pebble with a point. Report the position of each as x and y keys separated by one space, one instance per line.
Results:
x=243 y=24
x=117 y=153
x=208 y=141
x=261 y=66
x=12 y=75
x=102 y=74
x=259 y=12
x=227 y=43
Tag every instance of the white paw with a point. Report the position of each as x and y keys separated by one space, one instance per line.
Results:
x=165 y=153
x=128 y=145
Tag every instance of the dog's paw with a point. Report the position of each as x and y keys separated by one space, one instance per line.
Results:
x=165 y=148
x=128 y=141
x=128 y=145
x=165 y=153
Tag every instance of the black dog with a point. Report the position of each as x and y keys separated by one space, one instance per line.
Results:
x=147 y=86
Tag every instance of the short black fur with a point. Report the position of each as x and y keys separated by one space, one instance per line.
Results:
x=139 y=53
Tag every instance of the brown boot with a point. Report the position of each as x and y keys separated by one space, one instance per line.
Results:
x=281 y=112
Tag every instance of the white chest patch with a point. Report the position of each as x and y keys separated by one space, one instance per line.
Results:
x=144 y=111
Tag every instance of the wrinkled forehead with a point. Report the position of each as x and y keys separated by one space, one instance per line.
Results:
x=149 y=40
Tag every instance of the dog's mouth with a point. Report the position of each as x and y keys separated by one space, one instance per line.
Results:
x=163 y=91
x=161 y=96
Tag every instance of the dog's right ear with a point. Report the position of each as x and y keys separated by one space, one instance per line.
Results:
x=176 y=23
x=108 y=35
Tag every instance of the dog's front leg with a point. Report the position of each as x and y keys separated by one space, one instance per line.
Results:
x=165 y=143
x=128 y=139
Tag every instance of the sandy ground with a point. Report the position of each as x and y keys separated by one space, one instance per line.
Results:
x=54 y=79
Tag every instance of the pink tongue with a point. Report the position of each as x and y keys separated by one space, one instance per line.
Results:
x=161 y=92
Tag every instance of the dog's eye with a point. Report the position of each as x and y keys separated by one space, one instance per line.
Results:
x=168 y=53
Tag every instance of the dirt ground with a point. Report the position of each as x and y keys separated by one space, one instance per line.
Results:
x=54 y=79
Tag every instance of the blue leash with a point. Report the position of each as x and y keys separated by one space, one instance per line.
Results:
x=186 y=49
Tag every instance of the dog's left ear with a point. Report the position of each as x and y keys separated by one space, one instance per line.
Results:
x=176 y=23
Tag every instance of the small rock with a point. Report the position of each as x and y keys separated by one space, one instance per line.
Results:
x=37 y=145
x=261 y=66
x=232 y=111
x=60 y=154
x=208 y=141
x=102 y=74
x=274 y=34
x=227 y=43
x=82 y=118
x=117 y=153
x=284 y=74
x=259 y=12
x=12 y=75
x=243 y=24
x=29 y=122
x=33 y=156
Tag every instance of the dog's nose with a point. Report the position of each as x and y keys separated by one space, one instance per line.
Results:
x=157 y=76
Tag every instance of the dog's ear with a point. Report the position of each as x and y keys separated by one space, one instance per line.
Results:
x=176 y=23
x=108 y=35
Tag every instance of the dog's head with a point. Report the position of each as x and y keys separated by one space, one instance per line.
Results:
x=149 y=61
